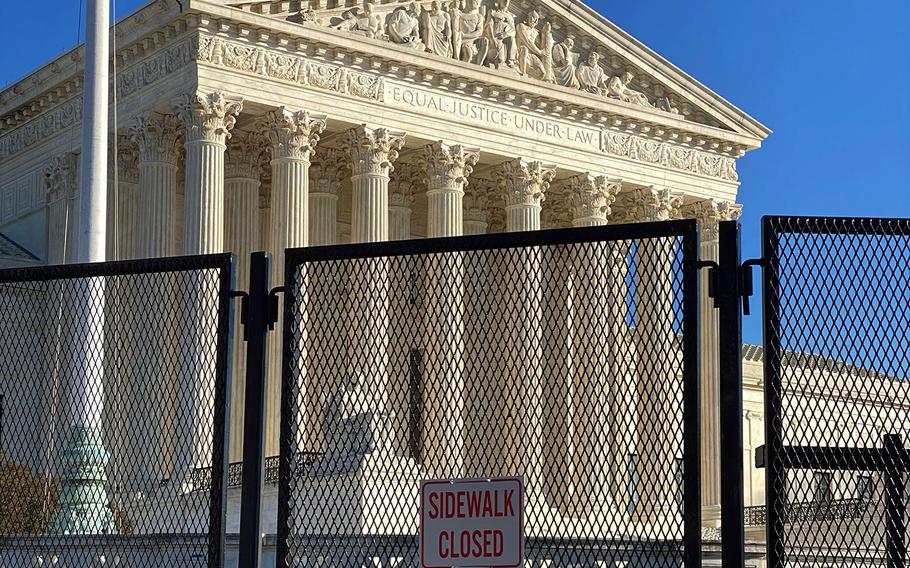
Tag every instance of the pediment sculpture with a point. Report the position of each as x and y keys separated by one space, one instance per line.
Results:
x=488 y=35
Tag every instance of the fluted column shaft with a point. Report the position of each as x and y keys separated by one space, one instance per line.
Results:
x=157 y=137
x=208 y=120
x=293 y=136
x=709 y=213
x=659 y=420
x=597 y=456
x=325 y=185
x=524 y=184
x=241 y=237
x=372 y=152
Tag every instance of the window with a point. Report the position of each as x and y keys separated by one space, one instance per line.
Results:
x=632 y=482
x=678 y=477
x=415 y=405
x=821 y=486
x=864 y=487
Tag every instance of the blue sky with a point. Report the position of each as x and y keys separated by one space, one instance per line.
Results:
x=830 y=78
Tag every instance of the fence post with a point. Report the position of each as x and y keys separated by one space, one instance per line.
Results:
x=731 y=396
x=895 y=506
x=255 y=318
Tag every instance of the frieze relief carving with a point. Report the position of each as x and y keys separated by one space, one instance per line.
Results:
x=290 y=67
x=667 y=155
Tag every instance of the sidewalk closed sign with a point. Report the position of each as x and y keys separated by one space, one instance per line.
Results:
x=471 y=522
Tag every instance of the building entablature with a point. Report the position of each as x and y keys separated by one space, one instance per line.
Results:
x=285 y=50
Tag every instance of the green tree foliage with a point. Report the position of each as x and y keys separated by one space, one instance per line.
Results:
x=27 y=499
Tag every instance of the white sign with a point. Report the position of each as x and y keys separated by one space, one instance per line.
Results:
x=471 y=522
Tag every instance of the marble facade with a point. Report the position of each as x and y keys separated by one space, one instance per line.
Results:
x=249 y=126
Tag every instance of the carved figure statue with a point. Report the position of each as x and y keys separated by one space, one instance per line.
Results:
x=618 y=88
x=590 y=76
x=347 y=424
x=437 y=30
x=564 y=64
x=469 y=43
x=348 y=21
x=365 y=21
x=535 y=57
x=500 y=31
x=665 y=104
x=404 y=26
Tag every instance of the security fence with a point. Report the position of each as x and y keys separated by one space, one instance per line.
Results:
x=568 y=358
x=113 y=379
x=837 y=369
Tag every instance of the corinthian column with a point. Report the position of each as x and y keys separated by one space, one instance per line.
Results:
x=447 y=168
x=293 y=136
x=123 y=200
x=596 y=313
x=402 y=187
x=709 y=213
x=326 y=174
x=372 y=152
x=524 y=184
x=659 y=425
x=241 y=237
x=208 y=120
x=61 y=183
x=157 y=136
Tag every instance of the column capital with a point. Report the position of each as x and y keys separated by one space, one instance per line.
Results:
x=525 y=182
x=652 y=204
x=327 y=171
x=208 y=117
x=127 y=162
x=373 y=150
x=402 y=185
x=591 y=198
x=710 y=212
x=157 y=136
x=60 y=177
x=293 y=134
x=448 y=165
x=243 y=154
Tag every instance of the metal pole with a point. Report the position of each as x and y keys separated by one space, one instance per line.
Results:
x=256 y=328
x=83 y=503
x=691 y=401
x=731 y=396
x=895 y=506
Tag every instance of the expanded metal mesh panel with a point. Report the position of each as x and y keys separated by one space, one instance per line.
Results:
x=561 y=363
x=112 y=378
x=837 y=367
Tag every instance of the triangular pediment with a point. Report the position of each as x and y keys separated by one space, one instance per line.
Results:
x=555 y=47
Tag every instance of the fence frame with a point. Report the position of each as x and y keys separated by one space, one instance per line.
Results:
x=224 y=263
x=891 y=460
x=687 y=229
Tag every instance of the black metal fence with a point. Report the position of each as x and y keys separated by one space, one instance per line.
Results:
x=837 y=394
x=569 y=358
x=113 y=379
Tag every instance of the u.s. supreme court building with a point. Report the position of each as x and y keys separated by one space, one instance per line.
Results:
x=246 y=126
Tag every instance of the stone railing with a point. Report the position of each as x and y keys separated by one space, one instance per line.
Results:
x=202 y=477
x=812 y=511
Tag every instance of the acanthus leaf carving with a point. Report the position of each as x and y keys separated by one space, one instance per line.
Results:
x=591 y=197
x=157 y=136
x=525 y=182
x=293 y=134
x=208 y=116
x=373 y=150
x=448 y=166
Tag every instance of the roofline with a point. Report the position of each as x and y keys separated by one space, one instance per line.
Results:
x=736 y=114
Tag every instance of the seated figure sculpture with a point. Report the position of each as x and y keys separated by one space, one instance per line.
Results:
x=348 y=430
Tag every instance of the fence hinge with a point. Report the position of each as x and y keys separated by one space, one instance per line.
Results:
x=745 y=282
x=712 y=277
x=244 y=304
x=272 y=315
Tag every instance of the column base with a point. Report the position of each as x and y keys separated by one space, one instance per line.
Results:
x=83 y=504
